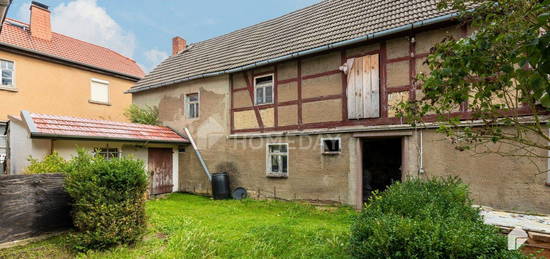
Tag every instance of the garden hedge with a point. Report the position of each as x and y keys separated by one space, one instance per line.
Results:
x=425 y=219
x=108 y=200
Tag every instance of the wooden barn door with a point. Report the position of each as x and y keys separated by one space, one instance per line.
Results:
x=363 y=91
x=160 y=170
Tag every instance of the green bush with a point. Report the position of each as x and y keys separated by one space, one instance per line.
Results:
x=146 y=115
x=108 y=200
x=52 y=163
x=425 y=219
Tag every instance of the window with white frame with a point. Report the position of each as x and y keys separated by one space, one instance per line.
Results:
x=331 y=146
x=107 y=153
x=8 y=72
x=99 y=91
x=192 y=105
x=263 y=89
x=277 y=160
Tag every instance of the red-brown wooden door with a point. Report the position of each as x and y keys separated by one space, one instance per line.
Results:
x=160 y=169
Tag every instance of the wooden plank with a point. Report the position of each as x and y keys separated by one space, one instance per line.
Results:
x=350 y=91
x=375 y=87
x=367 y=87
x=160 y=164
x=359 y=100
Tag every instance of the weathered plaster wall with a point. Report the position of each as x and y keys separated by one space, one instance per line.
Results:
x=209 y=130
x=311 y=175
x=502 y=182
x=45 y=87
x=322 y=111
x=322 y=86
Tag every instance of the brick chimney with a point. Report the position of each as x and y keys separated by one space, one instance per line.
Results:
x=178 y=45
x=40 y=21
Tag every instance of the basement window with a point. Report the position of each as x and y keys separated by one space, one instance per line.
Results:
x=263 y=89
x=107 y=153
x=192 y=105
x=277 y=160
x=331 y=146
x=8 y=71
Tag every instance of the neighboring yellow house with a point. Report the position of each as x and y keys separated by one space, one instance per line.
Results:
x=46 y=72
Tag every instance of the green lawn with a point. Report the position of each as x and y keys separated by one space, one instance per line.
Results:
x=187 y=226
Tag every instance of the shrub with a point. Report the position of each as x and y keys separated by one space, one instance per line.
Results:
x=108 y=200
x=146 y=115
x=52 y=163
x=425 y=219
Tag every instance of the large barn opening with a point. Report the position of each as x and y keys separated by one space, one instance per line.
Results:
x=382 y=161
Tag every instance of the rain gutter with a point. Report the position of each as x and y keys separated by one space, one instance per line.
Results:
x=38 y=135
x=370 y=36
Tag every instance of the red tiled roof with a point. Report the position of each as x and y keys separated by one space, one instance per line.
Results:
x=17 y=34
x=43 y=125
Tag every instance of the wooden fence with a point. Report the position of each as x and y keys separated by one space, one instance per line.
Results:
x=31 y=205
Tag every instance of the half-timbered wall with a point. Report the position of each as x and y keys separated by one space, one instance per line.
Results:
x=315 y=91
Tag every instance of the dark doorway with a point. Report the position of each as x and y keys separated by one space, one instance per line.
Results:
x=381 y=164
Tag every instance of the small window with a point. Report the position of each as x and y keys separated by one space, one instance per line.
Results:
x=331 y=146
x=107 y=153
x=192 y=105
x=277 y=160
x=8 y=70
x=263 y=88
x=99 y=91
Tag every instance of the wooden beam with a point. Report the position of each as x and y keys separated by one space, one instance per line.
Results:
x=381 y=134
x=250 y=87
x=275 y=97
x=383 y=81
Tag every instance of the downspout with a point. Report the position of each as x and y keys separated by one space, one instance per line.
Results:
x=370 y=36
x=198 y=153
x=421 y=164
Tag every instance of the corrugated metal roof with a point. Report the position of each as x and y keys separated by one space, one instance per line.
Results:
x=327 y=22
x=43 y=125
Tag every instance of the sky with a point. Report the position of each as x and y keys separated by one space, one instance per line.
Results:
x=143 y=29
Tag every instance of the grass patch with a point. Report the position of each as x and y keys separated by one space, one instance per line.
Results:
x=187 y=226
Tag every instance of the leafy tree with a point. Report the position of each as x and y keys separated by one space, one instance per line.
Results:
x=143 y=115
x=501 y=72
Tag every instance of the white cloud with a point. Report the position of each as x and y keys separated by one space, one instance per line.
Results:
x=24 y=12
x=154 y=57
x=85 y=20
